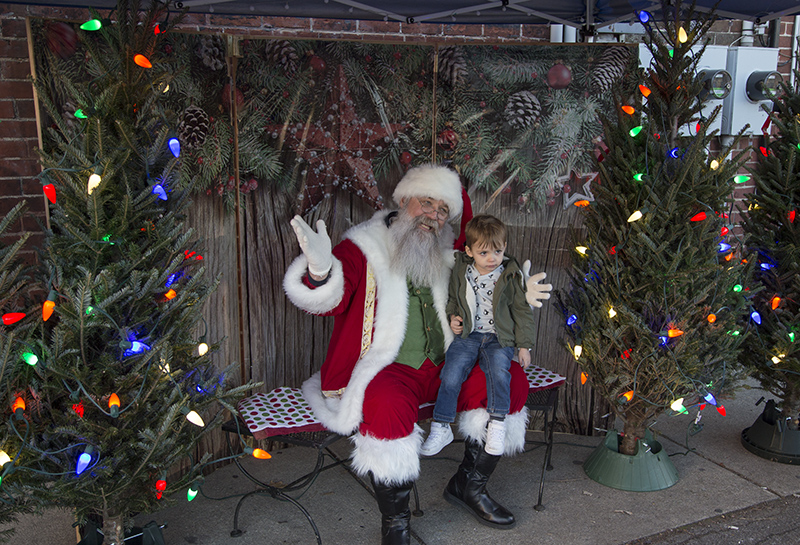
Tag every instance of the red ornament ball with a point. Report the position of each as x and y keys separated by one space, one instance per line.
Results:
x=559 y=76
x=405 y=158
x=61 y=38
x=447 y=139
x=317 y=63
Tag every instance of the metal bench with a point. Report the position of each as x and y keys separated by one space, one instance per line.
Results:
x=284 y=415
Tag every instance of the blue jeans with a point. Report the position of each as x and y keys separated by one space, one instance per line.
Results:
x=494 y=360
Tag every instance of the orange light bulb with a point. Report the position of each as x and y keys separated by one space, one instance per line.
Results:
x=644 y=90
x=628 y=109
x=775 y=301
x=142 y=61
x=674 y=333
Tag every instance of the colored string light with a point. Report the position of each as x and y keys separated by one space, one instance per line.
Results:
x=639 y=177
x=791 y=215
x=50 y=192
x=628 y=109
x=159 y=190
x=741 y=178
x=84 y=460
x=635 y=216
x=30 y=358
x=612 y=312
x=644 y=17
x=721 y=410
x=193 y=491
x=634 y=131
x=700 y=216
x=572 y=319
x=49 y=306
x=672 y=333
x=644 y=90
x=677 y=406
x=581 y=249
x=577 y=351
x=161 y=486
x=142 y=61
x=94 y=181
x=12 y=317
x=584 y=377
x=626 y=397
x=258 y=453
x=709 y=397
x=91 y=25
x=113 y=405
x=682 y=36
x=756 y=317
x=174 y=146
x=193 y=417
x=714 y=165
x=18 y=408
x=711 y=318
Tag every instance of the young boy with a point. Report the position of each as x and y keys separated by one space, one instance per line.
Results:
x=490 y=318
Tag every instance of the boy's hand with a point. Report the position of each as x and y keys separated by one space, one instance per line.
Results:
x=524 y=357
x=456 y=324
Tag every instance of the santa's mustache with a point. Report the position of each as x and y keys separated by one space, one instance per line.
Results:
x=425 y=220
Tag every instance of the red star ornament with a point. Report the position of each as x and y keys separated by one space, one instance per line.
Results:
x=337 y=150
x=576 y=179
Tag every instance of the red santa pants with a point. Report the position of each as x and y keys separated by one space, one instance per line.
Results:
x=392 y=399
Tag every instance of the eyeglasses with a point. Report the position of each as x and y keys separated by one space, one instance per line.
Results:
x=428 y=207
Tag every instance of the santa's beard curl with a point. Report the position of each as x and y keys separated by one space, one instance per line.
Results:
x=420 y=252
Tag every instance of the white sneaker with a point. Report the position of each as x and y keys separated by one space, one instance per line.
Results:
x=495 y=437
x=440 y=436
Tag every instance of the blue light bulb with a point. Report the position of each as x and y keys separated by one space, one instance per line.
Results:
x=756 y=317
x=724 y=247
x=174 y=146
x=159 y=190
x=674 y=152
x=709 y=397
x=84 y=460
x=766 y=266
x=572 y=319
x=644 y=17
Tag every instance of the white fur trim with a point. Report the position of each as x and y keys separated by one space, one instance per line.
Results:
x=472 y=425
x=343 y=415
x=432 y=181
x=391 y=461
x=317 y=300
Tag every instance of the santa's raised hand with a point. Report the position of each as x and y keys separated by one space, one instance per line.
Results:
x=536 y=292
x=316 y=246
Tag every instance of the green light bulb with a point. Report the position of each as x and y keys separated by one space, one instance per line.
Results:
x=737 y=288
x=30 y=358
x=791 y=336
x=89 y=310
x=639 y=177
x=80 y=115
x=634 y=131
x=92 y=25
x=741 y=178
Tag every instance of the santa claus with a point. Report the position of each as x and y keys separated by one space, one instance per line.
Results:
x=386 y=285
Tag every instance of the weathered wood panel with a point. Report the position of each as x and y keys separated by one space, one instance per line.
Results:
x=284 y=346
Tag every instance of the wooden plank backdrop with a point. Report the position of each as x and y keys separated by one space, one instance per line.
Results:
x=284 y=346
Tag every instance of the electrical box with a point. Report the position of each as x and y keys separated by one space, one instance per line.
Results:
x=755 y=80
x=718 y=82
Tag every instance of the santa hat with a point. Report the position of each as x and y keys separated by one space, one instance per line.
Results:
x=436 y=182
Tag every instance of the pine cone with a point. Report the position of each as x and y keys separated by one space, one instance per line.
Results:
x=212 y=51
x=452 y=65
x=522 y=110
x=193 y=128
x=610 y=67
x=282 y=53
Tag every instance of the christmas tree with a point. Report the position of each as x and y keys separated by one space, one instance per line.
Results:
x=653 y=311
x=15 y=331
x=120 y=386
x=772 y=231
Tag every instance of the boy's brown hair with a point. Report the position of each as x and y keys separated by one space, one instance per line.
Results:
x=485 y=230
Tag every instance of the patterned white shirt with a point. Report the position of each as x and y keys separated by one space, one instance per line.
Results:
x=483 y=286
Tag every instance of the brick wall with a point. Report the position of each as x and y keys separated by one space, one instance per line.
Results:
x=18 y=131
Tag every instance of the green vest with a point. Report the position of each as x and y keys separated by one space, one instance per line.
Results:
x=424 y=337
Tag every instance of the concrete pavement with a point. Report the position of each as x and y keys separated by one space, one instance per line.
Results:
x=724 y=493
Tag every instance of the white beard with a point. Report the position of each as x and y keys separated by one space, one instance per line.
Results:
x=418 y=252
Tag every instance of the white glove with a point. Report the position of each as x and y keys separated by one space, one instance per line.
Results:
x=535 y=291
x=315 y=246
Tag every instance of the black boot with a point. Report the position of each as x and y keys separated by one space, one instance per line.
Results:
x=467 y=488
x=395 y=515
